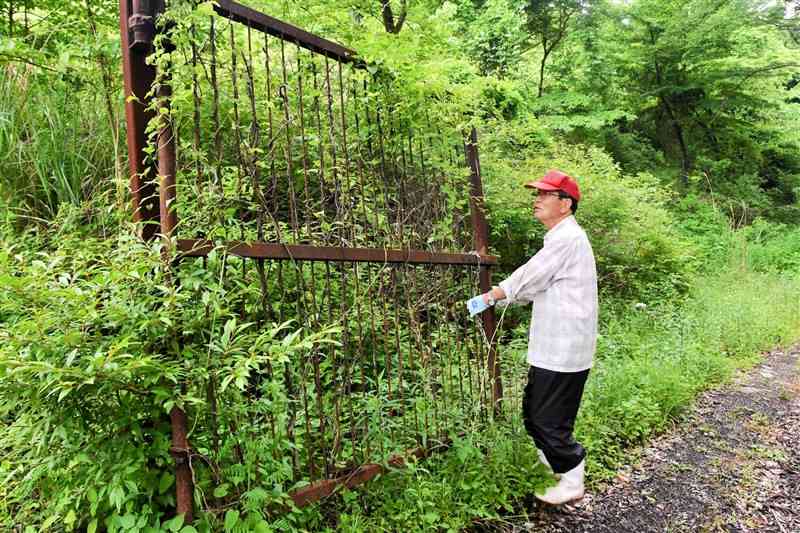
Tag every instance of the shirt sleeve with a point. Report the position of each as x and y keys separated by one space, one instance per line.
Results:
x=538 y=273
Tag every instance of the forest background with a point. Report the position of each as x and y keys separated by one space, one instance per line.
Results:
x=681 y=119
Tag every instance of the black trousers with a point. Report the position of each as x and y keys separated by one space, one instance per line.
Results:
x=549 y=408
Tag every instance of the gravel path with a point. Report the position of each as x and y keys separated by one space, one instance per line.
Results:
x=732 y=465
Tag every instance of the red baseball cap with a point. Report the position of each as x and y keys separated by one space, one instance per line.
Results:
x=555 y=180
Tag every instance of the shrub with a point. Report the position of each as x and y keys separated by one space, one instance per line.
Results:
x=98 y=344
x=639 y=253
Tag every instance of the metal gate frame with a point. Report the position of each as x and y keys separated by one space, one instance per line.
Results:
x=152 y=198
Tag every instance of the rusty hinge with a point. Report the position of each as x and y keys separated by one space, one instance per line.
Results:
x=142 y=23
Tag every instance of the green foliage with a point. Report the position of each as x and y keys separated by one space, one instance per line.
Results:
x=50 y=152
x=99 y=343
x=497 y=36
x=98 y=340
x=772 y=247
x=639 y=254
x=652 y=361
x=481 y=477
x=60 y=105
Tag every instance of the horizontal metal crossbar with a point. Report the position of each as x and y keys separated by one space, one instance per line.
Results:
x=265 y=23
x=324 y=488
x=265 y=250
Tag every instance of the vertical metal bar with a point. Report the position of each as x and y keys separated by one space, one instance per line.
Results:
x=359 y=299
x=387 y=359
x=402 y=191
x=215 y=113
x=236 y=122
x=374 y=345
x=254 y=141
x=301 y=119
x=319 y=393
x=138 y=78
x=182 y=454
x=196 y=117
x=167 y=211
x=320 y=143
x=413 y=362
x=288 y=379
x=437 y=388
x=271 y=144
x=348 y=197
x=481 y=239
x=284 y=91
x=332 y=135
x=375 y=222
x=398 y=348
x=384 y=178
x=414 y=191
x=429 y=183
x=348 y=350
x=446 y=346
x=302 y=309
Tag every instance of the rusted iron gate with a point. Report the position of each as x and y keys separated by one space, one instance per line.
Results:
x=298 y=164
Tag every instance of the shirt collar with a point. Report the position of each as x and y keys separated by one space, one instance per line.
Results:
x=561 y=226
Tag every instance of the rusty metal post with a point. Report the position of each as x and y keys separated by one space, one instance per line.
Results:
x=480 y=232
x=137 y=28
x=182 y=454
x=167 y=164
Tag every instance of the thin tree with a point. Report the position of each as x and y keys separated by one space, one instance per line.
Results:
x=548 y=23
x=391 y=21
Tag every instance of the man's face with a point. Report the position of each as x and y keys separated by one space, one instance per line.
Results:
x=549 y=207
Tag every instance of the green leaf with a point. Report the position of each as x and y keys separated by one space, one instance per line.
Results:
x=262 y=527
x=165 y=482
x=221 y=491
x=231 y=519
x=174 y=524
x=92 y=527
x=128 y=521
x=49 y=522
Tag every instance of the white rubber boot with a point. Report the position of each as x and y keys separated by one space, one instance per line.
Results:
x=568 y=488
x=543 y=459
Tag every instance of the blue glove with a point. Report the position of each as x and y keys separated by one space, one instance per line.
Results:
x=476 y=305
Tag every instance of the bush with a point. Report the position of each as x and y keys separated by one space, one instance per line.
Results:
x=639 y=253
x=772 y=247
x=99 y=343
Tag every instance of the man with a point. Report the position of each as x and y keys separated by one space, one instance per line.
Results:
x=561 y=282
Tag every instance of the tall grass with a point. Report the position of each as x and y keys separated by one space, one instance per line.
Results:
x=54 y=145
x=653 y=362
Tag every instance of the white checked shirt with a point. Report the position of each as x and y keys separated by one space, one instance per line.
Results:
x=561 y=281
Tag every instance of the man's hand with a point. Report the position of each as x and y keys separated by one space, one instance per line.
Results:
x=491 y=297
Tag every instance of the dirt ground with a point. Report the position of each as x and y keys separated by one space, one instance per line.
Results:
x=732 y=465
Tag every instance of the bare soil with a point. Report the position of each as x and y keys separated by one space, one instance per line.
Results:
x=733 y=464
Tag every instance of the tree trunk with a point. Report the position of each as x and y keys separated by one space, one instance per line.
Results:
x=676 y=126
x=541 y=71
x=390 y=23
x=678 y=130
